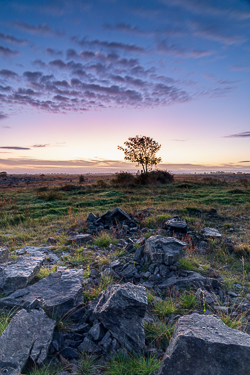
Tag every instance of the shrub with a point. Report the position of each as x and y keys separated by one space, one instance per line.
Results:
x=81 y=179
x=69 y=187
x=154 y=177
x=101 y=184
x=123 y=178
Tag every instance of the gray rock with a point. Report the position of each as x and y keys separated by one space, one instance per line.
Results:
x=4 y=253
x=129 y=271
x=17 y=273
x=204 y=295
x=204 y=345
x=91 y=217
x=164 y=249
x=211 y=232
x=27 y=336
x=115 y=217
x=97 y=332
x=139 y=254
x=193 y=279
x=89 y=346
x=35 y=251
x=121 y=309
x=176 y=224
x=80 y=239
x=58 y=293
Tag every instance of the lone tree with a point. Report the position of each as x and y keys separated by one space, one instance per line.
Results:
x=141 y=150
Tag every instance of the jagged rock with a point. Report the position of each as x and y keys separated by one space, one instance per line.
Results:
x=139 y=253
x=115 y=217
x=211 y=232
x=80 y=239
x=4 y=253
x=164 y=249
x=97 y=332
x=91 y=217
x=204 y=345
x=121 y=309
x=89 y=346
x=27 y=336
x=17 y=273
x=58 y=293
x=176 y=224
x=193 y=279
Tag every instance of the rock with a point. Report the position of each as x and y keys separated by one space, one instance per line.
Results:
x=193 y=279
x=28 y=336
x=89 y=346
x=91 y=217
x=97 y=332
x=164 y=249
x=57 y=293
x=204 y=295
x=69 y=353
x=176 y=224
x=52 y=241
x=115 y=217
x=211 y=232
x=17 y=273
x=4 y=253
x=121 y=309
x=80 y=239
x=204 y=345
x=35 y=251
x=139 y=253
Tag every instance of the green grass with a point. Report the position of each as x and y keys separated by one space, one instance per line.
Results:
x=165 y=308
x=104 y=239
x=90 y=294
x=45 y=370
x=87 y=365
x=158 y=334
x=128 y=365
x=5 y=318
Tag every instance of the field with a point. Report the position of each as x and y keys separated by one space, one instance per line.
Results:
x=35 y=208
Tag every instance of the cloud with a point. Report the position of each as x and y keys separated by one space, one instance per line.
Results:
x=32 y=76
x=108 y=45
x=172 y=49
x=43 y=29
x=6 y=52
x=238 y=135
x=14 y=148
x=6 y=126
x=244 y=161
x=5 y=88
x=3 y=116
x=12 y=39
x=54 y=52
x=241 y=68
x=7 y=73
x=41 y=146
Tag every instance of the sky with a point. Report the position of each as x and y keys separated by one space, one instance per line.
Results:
x=79 y=77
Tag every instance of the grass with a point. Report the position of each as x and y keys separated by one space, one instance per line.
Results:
x=128 y=365
x=165 y=308
x=50 y=369
x=159 y=334
x=90 y=294
x=104 y=239
x=44 y=272
x=5 y=318
x=87 y=365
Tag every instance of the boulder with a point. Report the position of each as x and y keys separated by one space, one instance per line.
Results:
x=176 y=224
x=204 y=345
x=4 y=253
x=115 y=217
x=121 y=309
x=59 y=293
x=28 y=336
x=211 y=232
x=18 y=273
x=35 y=251
x=165 y=250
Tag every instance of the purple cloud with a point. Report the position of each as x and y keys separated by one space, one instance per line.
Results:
x=7 y=52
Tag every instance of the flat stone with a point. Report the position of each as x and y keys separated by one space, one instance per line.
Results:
x=18 y=273
x=27 y=336
x=121 y=309
x=58 y=293
x=4 y=253
x=204 y=345
x=33 y=250
x=80 y=239
x=165 y=250
x=211 y=232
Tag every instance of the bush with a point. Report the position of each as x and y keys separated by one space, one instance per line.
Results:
x=69 y=187
x=101 y=184
x=81 y=179
x=155 y=177
x=123 y=178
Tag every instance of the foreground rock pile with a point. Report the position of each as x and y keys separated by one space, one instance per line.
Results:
x=114 y=322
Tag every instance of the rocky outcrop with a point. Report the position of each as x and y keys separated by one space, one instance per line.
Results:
x=204 y=345
x=28 y=336
x=121 y=309
x=164 y=250
x=211 y=232
x=58 y=293
x=18 y=273
x=80 y=239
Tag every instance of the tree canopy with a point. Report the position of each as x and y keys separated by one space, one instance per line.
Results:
x=141 y=150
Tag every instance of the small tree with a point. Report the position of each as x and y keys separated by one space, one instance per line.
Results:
x=141 y=150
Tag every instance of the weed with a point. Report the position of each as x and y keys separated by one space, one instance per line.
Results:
x=104 y=239
x=165 y=308
x=44 y=272
x=187 y=301
x=5 y=318
x=87 y=365
x=90 y=294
